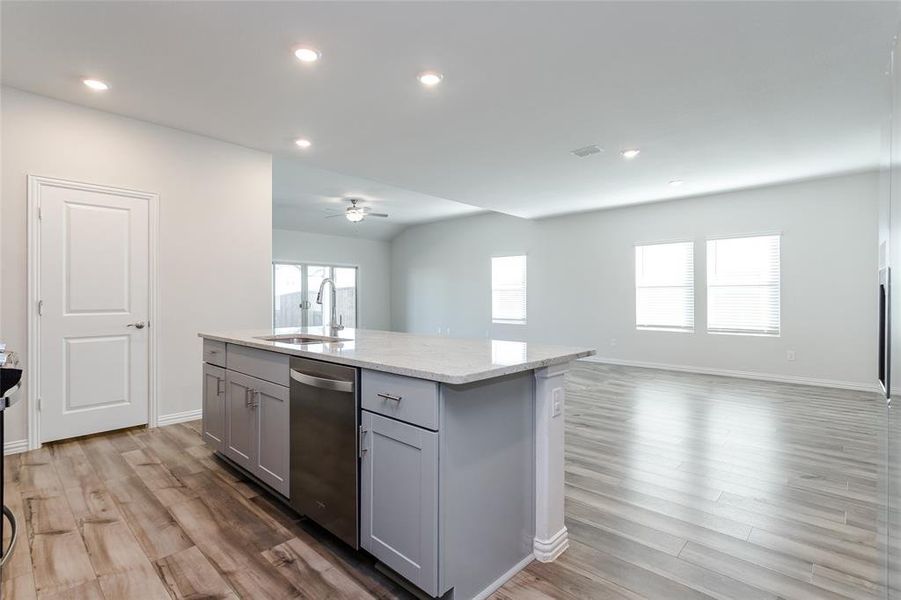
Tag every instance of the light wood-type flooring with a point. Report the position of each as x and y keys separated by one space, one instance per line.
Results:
x=678 y=486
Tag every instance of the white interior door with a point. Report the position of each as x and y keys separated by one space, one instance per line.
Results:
x=94 y=276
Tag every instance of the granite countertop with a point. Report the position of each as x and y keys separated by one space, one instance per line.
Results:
x=437 y=358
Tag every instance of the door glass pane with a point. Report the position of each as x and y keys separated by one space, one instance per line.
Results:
x=346 y=288
x=288 y=296
x=315 y=275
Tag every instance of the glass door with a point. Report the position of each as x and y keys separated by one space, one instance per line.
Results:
x=288 y=296
x=346 y=294
x=313 y=312
x=296 y=286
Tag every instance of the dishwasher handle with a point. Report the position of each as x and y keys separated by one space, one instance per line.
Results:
x=334 y=385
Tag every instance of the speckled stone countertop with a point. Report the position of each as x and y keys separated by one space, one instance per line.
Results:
x=444 y=359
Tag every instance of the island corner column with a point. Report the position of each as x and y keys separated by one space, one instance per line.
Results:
x=551 y=537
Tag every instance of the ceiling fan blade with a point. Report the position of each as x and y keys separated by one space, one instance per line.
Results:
x=334 y=215
x=383 y=215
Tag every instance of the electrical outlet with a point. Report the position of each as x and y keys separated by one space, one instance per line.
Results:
x=557 y=402
x=790 y=355
x=613 y=342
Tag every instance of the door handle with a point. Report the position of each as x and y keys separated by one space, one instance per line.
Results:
x=137 y=325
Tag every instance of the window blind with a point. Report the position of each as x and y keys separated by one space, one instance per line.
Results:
x=743 y=276
x=664 y=286
x=508 y=289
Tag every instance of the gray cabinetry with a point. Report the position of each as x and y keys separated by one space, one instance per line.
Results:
x=269 y=403
x=240 y=426
x=257 y=430
x=214 y=352
x=246 y=410
x=399 y=498
x=406 y=399
x=214 y=407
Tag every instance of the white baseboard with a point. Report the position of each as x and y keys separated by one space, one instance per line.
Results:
x=15 y=447
x=549 y=550
x=500 y=581
x=180 y=417
x=830 y=383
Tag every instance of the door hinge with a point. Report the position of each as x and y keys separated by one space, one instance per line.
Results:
x=39 y=404
x=40 y=213
x=40 y=308
x=362 y=444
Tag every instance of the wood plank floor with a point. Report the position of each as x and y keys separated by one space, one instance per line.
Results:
x=678 y=486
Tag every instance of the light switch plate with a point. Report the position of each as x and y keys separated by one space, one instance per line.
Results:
x=557 y=402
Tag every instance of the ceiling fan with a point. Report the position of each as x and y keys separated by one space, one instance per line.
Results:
x=355 y=214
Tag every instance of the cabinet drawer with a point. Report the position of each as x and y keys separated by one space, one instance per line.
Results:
x=262 y=364
x=404 y=398
x=214 y=352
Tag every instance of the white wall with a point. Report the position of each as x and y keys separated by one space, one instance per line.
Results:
x=581 y=279
x=215 y=225
x=373 y=257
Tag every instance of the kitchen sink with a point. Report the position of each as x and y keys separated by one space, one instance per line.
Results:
x=299 y=340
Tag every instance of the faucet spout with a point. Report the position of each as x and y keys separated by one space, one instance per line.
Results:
x=333 y=312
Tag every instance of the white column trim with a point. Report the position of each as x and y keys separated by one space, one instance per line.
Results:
x=551 y=537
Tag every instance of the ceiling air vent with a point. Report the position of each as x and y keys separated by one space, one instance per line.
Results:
x=586 y=151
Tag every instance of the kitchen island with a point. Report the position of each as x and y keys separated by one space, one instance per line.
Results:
x=450 y=450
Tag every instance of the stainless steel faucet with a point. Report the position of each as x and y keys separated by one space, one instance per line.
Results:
x=334 y=325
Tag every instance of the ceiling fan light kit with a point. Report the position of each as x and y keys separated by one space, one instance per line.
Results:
x=355 y=214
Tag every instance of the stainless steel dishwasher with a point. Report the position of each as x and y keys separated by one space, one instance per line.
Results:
x=324 y=478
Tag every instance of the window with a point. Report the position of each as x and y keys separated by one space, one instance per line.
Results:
x=664 y=287
x=295 y=287
x=508 y=289
x=743 y=285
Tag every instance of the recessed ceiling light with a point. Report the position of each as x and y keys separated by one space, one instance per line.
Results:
x=630 y=153
x=307 y=54
x=96 y=84
x=303 y=143
x=676 y=183
x=430 y=78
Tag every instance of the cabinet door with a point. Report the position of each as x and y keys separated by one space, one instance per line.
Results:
x=240 y=421
x=271 y=407
x=214 y=407
x=399 y=498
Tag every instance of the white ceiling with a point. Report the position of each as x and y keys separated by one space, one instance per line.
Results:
x=722 y=95
x=304 y=197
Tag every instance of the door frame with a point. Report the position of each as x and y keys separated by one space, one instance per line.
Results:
x=33 y=368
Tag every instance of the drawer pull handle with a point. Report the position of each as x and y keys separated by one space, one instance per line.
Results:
x=390 y=397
